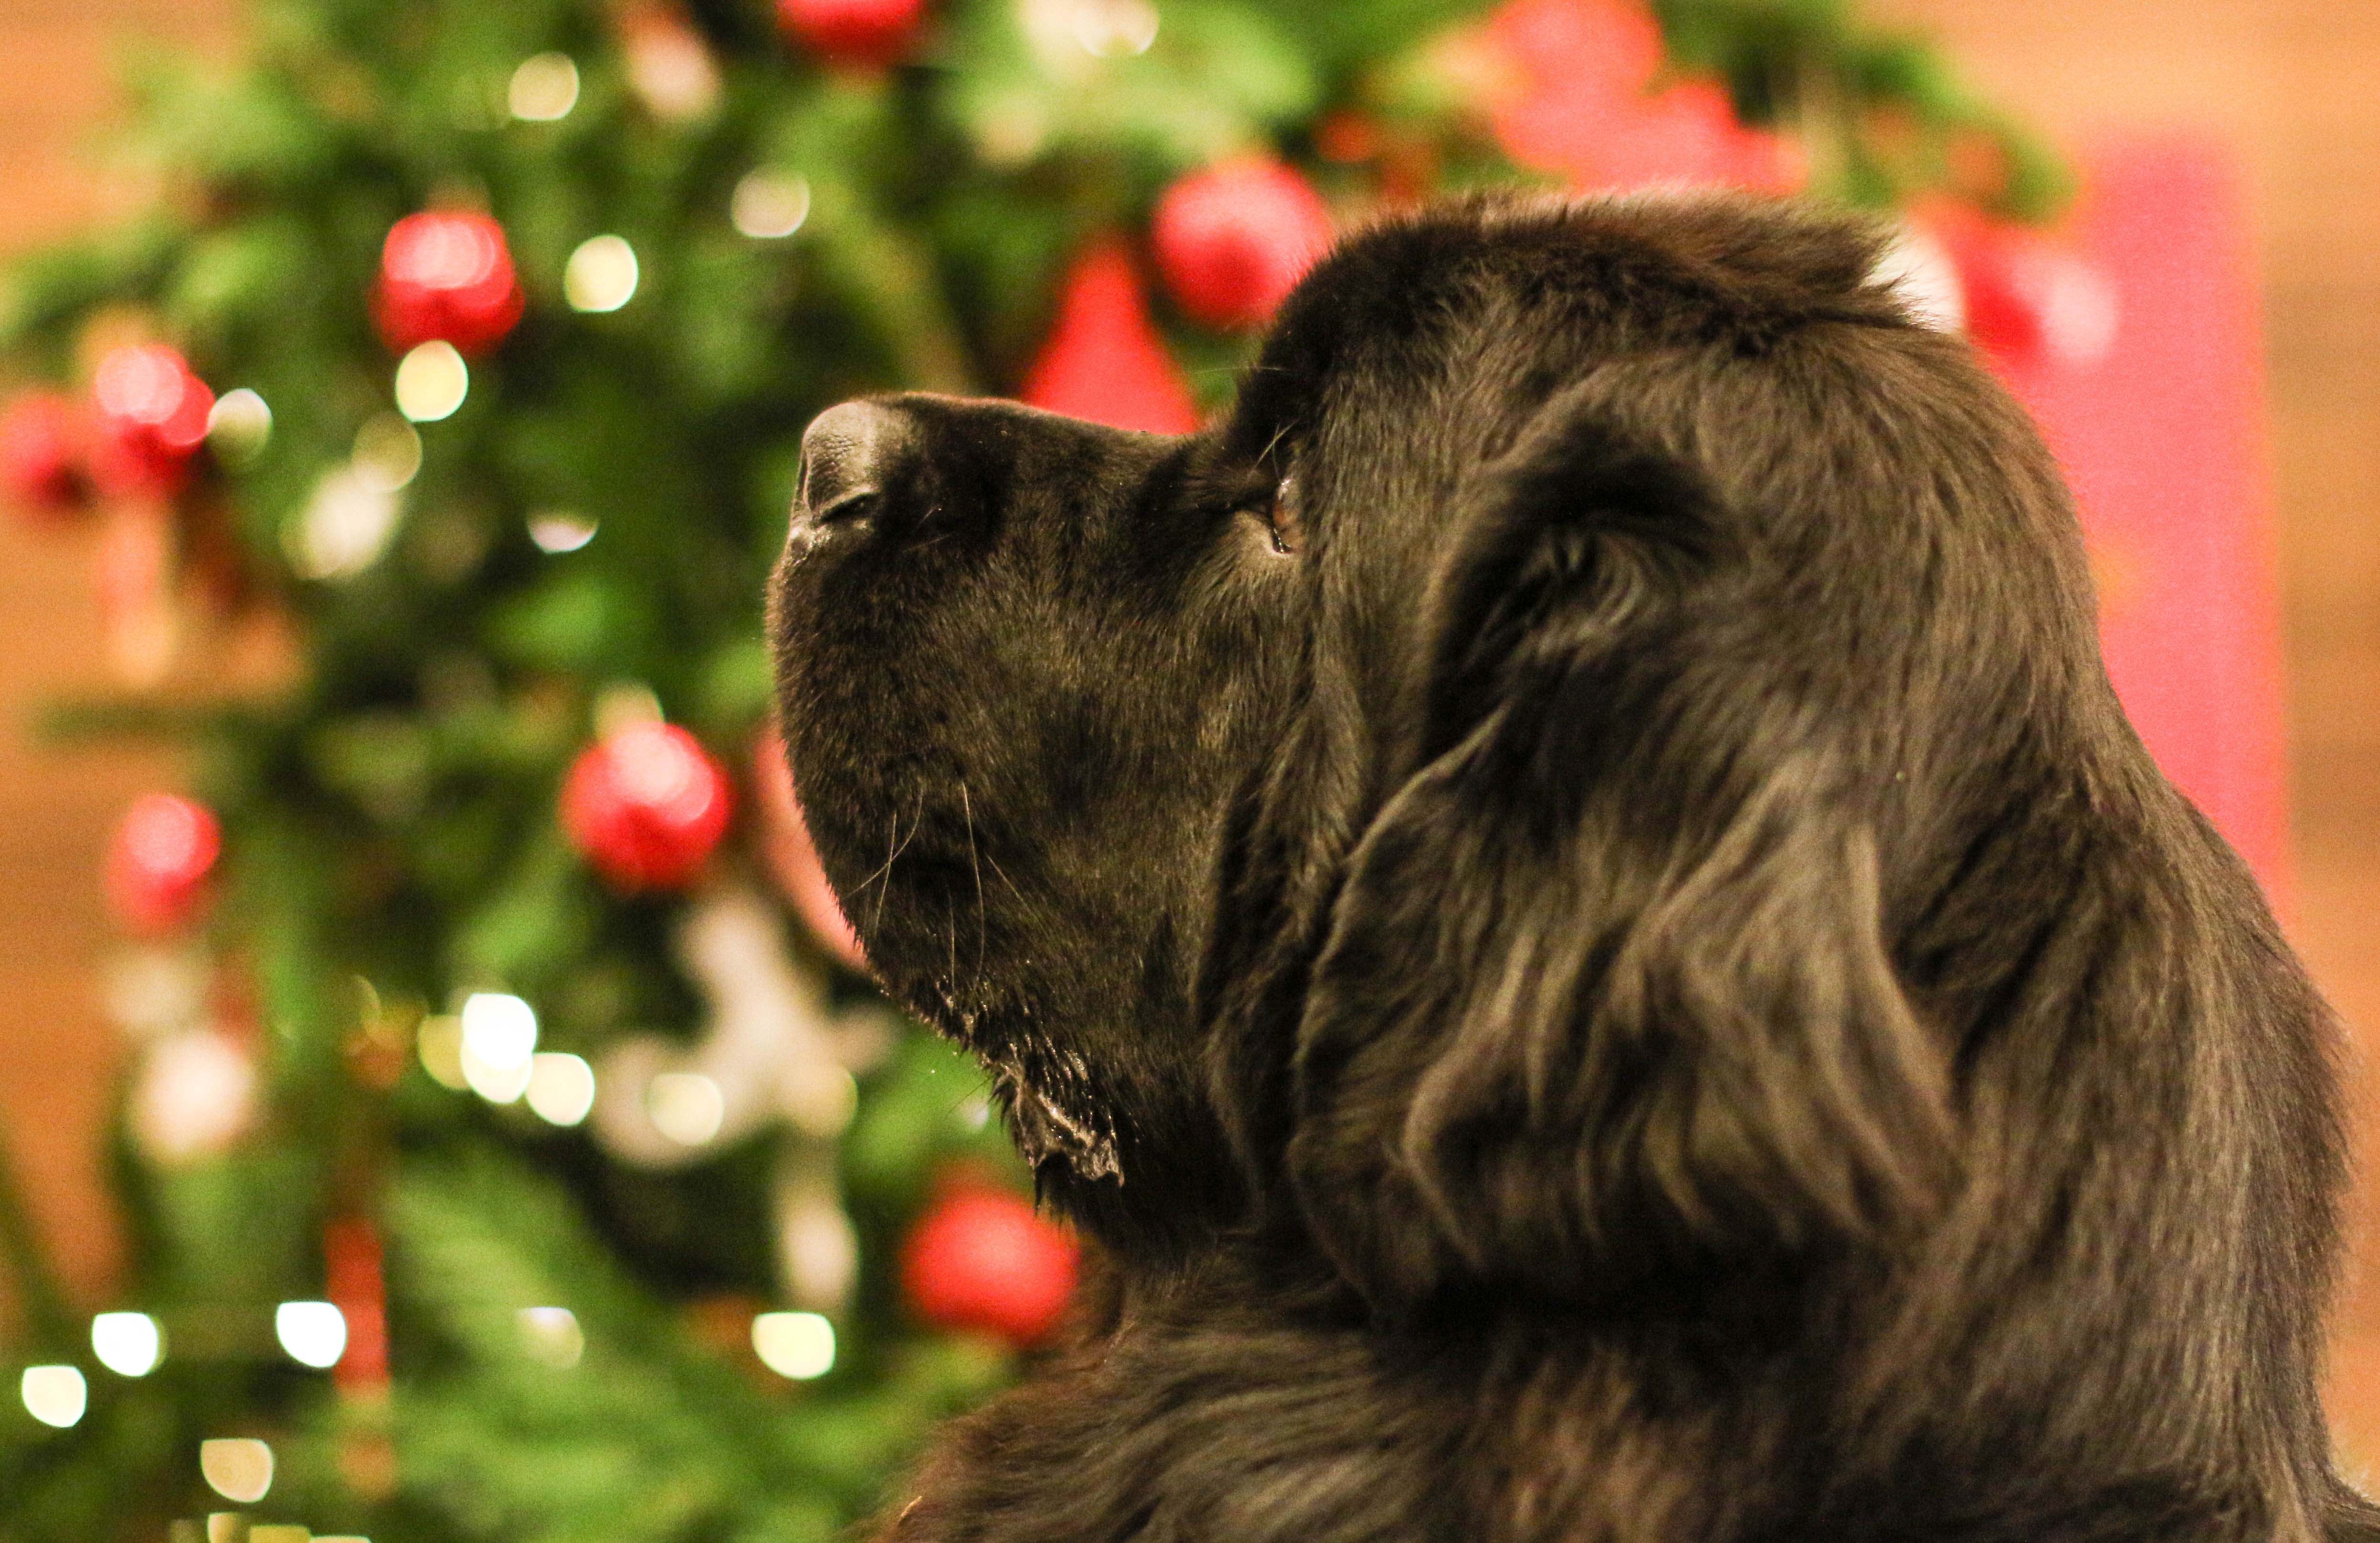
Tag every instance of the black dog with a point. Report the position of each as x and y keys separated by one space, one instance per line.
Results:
x=1567 y=897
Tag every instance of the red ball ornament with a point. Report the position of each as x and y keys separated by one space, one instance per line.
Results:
x=1233 y=240
x=158 y=864
x=981 y=1259
x=645 y=805
x=1104 y=362
x=152 y=417
x=868 y=34
x=446 y=275
x=41 y=454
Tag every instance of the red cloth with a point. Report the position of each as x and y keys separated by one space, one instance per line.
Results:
x=2162 y=440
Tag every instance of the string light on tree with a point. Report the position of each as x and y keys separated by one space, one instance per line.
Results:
x=314 y=1333
x=543 y=89
x=601 y=274
x=769 y=204
x=129 y=1344
x=1233 y=239
x=195 y=1095
x=499 y=1042
x=551 y=1335
x=1114 y=29
x=560 y=1087
x=240 y=1468
x=54 y=1395
x=446 y=275
x=431 y=382
x=238 y=427
x=795 y=1346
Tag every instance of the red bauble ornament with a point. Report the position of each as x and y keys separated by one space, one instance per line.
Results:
x=863 y=34
x=152 y=416
x=1233 y=240
x=446 y=275
x=645 y=805
x=42 y=436
x=1104 y=362
x=158 y=864
x=980 y=1259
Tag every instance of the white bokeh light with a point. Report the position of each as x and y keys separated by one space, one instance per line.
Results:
x=799 y=1345
x=770 y=204
x=601 y=275
x=431 y=382
x=54 y=1395
x=499 y=1028
x=346 y=524
x=560 y=530
x=544 y=87
x=387 y=452
x=314 y=1333
x=128 y=1345
x=236 y=1467
x=551 y=1335
x=238 y=425
x=560 y=1087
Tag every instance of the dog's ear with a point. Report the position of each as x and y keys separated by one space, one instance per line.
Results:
x=1606 y=1007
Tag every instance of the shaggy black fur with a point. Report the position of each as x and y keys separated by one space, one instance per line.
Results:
x=1632 y=984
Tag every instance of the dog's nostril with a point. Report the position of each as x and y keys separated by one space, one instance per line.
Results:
x=848 y=454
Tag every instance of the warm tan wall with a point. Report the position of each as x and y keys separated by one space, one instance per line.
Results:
x=56 y=1052
x=2290 y=83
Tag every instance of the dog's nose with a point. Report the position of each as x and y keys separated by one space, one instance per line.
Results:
x=849 y=453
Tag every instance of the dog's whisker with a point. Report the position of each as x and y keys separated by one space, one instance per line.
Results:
x=891 y=856
x=982 y=925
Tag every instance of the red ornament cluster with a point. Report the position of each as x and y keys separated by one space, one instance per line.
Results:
x=866 y=34
x=980 y=1259
x=645 y=805
x=1233 y=240
x=446 y=275
x=159 y=863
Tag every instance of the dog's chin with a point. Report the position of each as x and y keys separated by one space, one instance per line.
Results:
x=1059 y=1122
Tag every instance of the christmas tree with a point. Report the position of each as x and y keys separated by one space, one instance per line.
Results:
x=515 y=1148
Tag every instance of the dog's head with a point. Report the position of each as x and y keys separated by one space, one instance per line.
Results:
x=1514 y=801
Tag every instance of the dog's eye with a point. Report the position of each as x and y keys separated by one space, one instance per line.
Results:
x=1281 y=518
